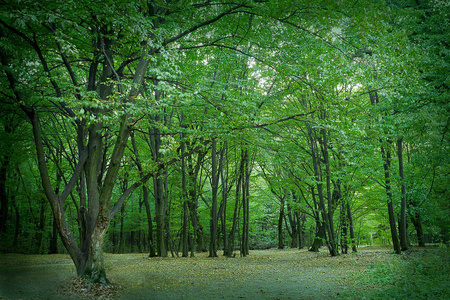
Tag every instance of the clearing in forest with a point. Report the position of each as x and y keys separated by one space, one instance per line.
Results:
x=373 y=273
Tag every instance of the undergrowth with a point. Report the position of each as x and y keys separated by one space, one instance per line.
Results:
x=419 y=274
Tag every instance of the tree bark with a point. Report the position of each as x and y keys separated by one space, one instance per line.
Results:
x=232 y=234
x=152 y=252
x=214 y=187
x=402 y=223
x=416 y=219
x=327 y=223
x=4 y=163
x=293 y=221
x=40 y=226
x=344 y=228
x=280 y=225
x=224 y=179
x=386 y=156
x=245 y=204
x=387 y=177
x=122 y=230
x=185 y=224
x=350 y=225
x=319 y=238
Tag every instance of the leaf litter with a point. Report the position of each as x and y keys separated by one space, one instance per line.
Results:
x=264 y=274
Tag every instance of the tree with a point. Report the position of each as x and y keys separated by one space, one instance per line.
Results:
x=113 y=46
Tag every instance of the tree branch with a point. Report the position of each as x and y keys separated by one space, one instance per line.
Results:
x=161 y=165
x=203 y=24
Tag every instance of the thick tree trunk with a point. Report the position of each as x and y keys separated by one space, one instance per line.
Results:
x=319 y=238
x=92 y=265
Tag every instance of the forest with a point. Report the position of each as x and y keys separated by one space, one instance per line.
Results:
x=176 y=127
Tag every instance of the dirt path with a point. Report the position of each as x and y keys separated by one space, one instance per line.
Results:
x=268 y=274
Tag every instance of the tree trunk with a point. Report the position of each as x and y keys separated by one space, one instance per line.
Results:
x=327 y=223
x=350 y=225
x=300 y=224
x=152 y=252
x=151 y=244
x=344 y=228
x=53 y=248
x=122 y=230
x=214 y=219
x=294 y=227
x=4 y=163
x=280 y=225
x=386 y=156
x=232 y=235
x=224 y=178
x=92 y=267
x=3 y=194
x=184 y=199
x=16 y=228
x=387 y=165
x=40 y=226
x=245 y=204
x=319 y=238
x=139 y=240
x=114 y=237
x=160 y=208
x=158 y=187
x=416 y=219
x=402 y=222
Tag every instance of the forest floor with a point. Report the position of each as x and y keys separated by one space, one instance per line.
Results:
x=371 y=273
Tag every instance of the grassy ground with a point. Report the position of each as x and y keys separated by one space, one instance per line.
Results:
x=372 y=273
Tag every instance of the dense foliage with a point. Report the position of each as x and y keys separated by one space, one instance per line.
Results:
x=182 y=126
